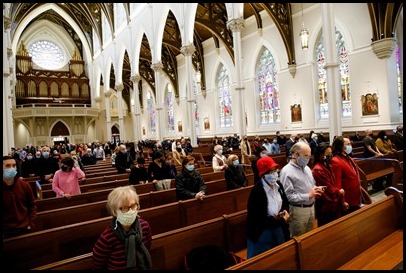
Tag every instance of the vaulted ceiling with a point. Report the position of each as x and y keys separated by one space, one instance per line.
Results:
x=210 y=23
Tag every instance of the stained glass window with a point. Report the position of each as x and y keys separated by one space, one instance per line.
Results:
x=268 y=88
x=344 y=77
x=399 y=79
x=169 y=98
x=151 y=113
x=224 y=98
x=195 y=106
x=47 y=55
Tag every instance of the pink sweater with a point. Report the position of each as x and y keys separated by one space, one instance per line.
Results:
x=67 y=182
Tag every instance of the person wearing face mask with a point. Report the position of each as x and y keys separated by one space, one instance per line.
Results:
x=159 y=172
x=267 y=146
x=345 y=172
x=123 y=162
x=398 y=141
x=370 y=148
x=219 y=160
x=19 y=205
x=235 y=175
x=384 y=144
x=275 y=147
x=189 y=183
x=301 y=190
x=66 y=180
x=178 y=154
x=267 y=210
x=28 y=166
x=47 y=166
x=125 y=242
x=245 y=147
x=329 y=205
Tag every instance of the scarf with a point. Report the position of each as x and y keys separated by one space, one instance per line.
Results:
x=137 y=254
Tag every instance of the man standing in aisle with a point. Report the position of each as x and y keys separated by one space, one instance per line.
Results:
x=301 y=190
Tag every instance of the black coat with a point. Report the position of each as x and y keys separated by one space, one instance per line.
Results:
x=257 y=213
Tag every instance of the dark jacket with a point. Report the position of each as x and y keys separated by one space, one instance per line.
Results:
x=257 y=213
x=235 y=177
x=188 y=184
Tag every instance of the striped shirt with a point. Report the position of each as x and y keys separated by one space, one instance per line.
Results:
x=109 y=251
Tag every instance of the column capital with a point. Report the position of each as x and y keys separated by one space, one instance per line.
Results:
x=119 y=87
x=188 y=50
x=157 y=66
x=7 y=23
x=135 y=79
x=236 y=25
x=107 y=94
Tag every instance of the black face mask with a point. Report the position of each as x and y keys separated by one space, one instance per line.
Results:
x=64 y=168
x=327 y=160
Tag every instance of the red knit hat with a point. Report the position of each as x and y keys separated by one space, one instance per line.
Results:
x=266 y=164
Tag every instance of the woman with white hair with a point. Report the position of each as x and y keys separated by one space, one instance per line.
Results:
x=125 y=241
x=219 y=161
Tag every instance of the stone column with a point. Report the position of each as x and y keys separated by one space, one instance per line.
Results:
x=335 y=106
x=236 y=25
x=107 y=95
x=157 y=67
x=8 y=124
x=119 y=88
x=188 y=51
x=137 y=109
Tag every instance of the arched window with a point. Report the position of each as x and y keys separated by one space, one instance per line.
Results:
x=151 y=113
x=169 y=107
x=224 y=98
x=344 y=76
x=399 y=78
x=268 y=88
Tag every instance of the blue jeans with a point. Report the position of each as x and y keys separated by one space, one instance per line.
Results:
x=268 y=239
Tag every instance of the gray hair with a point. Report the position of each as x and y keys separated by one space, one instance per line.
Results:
x=298 y=147
x=121 y=196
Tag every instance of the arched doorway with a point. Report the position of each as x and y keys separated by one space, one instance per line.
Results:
x=60 y=133
x=115 y=135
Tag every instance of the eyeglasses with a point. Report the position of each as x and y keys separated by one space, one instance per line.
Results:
x=127 y=208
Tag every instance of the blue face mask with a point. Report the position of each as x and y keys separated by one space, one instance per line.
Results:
x=29 y=157
x=190 y=167
x=302 y=161
x=45 y=154
x=348 y=149
x=9 y=173
x=236 y=162
x=271 y=178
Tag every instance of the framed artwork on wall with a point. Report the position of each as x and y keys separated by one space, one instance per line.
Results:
x=296 y=112
x=206 y=123
x=180 y=129
x=369 y=104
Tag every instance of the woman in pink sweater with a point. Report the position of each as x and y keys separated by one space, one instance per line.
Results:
x=66 y=180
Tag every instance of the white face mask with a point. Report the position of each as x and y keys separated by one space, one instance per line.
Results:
x=126 y=218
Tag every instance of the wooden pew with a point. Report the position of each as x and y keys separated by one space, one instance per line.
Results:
x=83 y=198
x=370 y=238
x=67 y=241
x=282 y=257
x=371 y=169
x=89 y=211
x=169 y=248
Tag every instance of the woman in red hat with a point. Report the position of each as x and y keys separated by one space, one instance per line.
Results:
x=267 y=210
